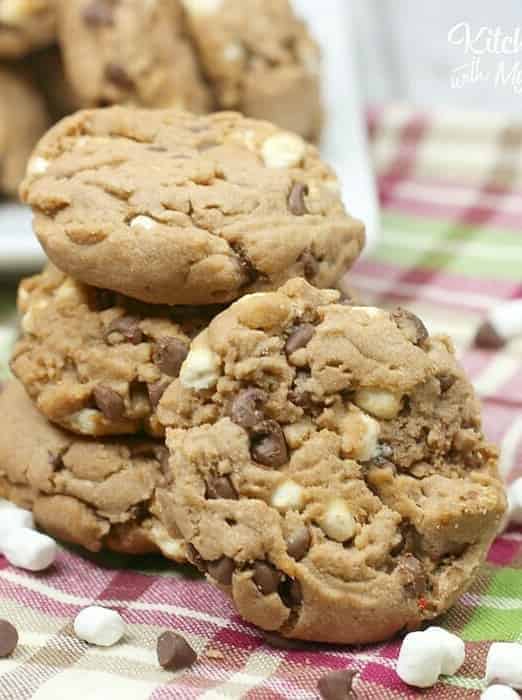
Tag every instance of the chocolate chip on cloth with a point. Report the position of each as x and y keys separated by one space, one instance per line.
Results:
x=95 y=494
x=26 y=26
x=172 y=208
x=8 y=638
x=23 y=120
x=377 y=497
x=174 y=652
x=130 y=52
x=268 y=68
x=91 y=364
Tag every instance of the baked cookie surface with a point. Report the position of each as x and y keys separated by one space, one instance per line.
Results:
x=23 y=120
x=260 y=59
x=130 y=52
x=94 y=362
x=95 y=494
x=26 y=25
x=331 y=473
x=172 y=208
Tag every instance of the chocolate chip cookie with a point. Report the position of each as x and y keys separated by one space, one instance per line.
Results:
x=95 y=494
x=260 y=59
x=130 y=52
x=173 y=208
x=94 y=362
x=26 y=25
x=331 y=473
x=23 y=119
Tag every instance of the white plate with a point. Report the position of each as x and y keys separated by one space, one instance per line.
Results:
x=344 y=144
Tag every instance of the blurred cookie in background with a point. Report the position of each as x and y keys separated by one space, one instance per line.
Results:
x=26 y=25
x=23 y=119
x=48 y=73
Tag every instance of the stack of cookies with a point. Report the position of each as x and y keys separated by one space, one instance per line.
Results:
x=58 y=56
x=209 y=395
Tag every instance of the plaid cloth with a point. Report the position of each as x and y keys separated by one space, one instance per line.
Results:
x=451 y=190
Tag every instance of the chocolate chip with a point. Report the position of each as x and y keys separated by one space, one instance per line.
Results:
x=8 y=638
x=488 y=338
x=56 y=461
x=298 y=543
x=337 y=685
x=268 y=444
x=124 y=329
x=246 y=409
x=266 y=577
x=411 y=325
x=296 y=202
x=248 y=269
x=156 y=391
x=299 y=338
x=291 y=593
x=310 y=264
x=109 y=402
x=412 y=574
x=196 y=559
x=101 y=299
x=117 y=75
x=446 y=381
x=222 y=570
x=169 y=354
x=98 y=14
x=221 y=487
x=174 y=652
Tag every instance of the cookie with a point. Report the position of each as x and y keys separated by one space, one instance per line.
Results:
x=47 y=71
x=23 y=120
x=172 y=208
x=331 y=473
x=94 y=362
x=130 y=52
x=26 y=25
x=260 y=60
x=95 y=494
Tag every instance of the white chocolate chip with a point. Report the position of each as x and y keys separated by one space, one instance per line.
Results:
x=69 y=290
x=371 y=311
x=499 y=692
x=29 y=549
x=338 y=522
x=29 y=318
x=99 y=626
x=359 y=435
x=202 y=7
x=288 y=496
x=13 y=518
x=504 y=664
x=233 y=52
x=379 y=402
x=284 y=150
x=297 y=433
x=424 y=656
x=201 y=367
x=85 y=421
x=37 y=166
x=453 y=649
x=142 y=221
x=23 y=297
x=172 y=548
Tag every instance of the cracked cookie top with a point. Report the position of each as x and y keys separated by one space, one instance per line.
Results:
x=130 y=52
x=26 y=25
x=168 y=207
x=95 y=494
x=96 y=362
x=260 y=59
x=331 y=473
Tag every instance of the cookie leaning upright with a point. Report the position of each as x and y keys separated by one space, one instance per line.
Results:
x=330 y=468
x=169 y=207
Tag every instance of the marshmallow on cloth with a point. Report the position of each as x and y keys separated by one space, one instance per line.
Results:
x=29 y=549
x=514 y=495
x=499 y=692
x=504 y=664
x=12 y=518
x=99 y=626
x=424 y=656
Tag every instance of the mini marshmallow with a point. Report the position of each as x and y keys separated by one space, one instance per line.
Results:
x=172 y=548
x=505 y=321
x=514 y=494
x=338 y=522
x=37 y=166
x=288 y=496
x=142 y=221
x=499 y=692
x=99 y=626
x=29 y=549
x=379 y=402
x=504 y=664
x=13 y=518
x=284 y=150
x=424 y=656
x=200 y=369
x=453 y=647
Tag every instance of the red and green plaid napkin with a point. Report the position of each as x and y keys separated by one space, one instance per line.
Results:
x=451 y=191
